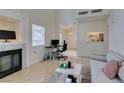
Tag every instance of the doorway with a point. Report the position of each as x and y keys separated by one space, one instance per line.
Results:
x=68 y=33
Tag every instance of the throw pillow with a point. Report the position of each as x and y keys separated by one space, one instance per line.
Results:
x=111 y=69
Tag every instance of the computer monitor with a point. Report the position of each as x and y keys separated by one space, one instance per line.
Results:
x=54 y=42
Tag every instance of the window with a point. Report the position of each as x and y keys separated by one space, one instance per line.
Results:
x=38 y=35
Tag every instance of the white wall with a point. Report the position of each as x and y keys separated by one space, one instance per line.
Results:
x=26 y=18
x=116 y=31
x=67 y=18
x=87 y=48
x=40 y=17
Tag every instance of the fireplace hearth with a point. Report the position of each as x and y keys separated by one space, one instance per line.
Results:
x=10 y=62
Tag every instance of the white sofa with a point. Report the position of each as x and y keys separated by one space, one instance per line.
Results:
x=99 y=61
x=97 y=76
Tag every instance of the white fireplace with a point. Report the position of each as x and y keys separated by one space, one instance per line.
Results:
x=10 y=62
x=14 y=46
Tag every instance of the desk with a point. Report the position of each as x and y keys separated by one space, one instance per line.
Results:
x=49 y=48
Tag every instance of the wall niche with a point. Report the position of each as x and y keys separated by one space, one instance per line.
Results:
x=94 y=36
x=10 y=24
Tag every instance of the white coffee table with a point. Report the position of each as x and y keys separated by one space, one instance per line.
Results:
x=76 y=72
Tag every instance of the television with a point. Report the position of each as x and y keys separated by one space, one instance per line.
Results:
x=5 y=34
x=54 y=42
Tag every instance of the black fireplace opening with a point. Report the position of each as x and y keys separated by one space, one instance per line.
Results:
x=10 y=62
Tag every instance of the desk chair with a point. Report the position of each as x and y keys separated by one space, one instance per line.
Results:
x=60 y=51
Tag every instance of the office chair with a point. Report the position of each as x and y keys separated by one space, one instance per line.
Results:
x=61 y=49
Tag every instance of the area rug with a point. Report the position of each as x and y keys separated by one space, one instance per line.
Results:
x=86 y=77
x=52 y=79
x=86 y=71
